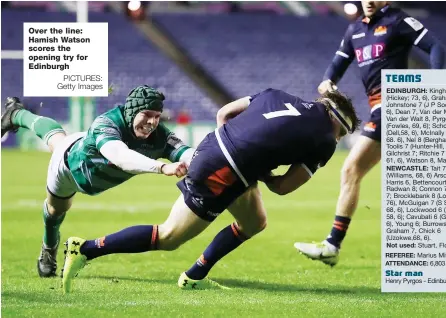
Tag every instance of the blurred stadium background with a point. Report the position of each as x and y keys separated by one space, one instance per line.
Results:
x=201 y=55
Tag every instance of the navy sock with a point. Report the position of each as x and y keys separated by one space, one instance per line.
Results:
x=225 y=242
x=135 y=239
x=338 y=231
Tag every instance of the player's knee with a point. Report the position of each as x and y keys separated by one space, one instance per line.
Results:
x=168 y=238
x=261 y=225
x=57 y=210
x=57 y=206
x=169 y=245
x=253 y=228
x=55 y=140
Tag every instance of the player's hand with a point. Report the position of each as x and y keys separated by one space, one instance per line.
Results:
x=178 y=169
x=327 y=86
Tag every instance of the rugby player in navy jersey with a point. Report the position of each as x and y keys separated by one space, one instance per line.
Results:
x=255 y=135
x=381 y=39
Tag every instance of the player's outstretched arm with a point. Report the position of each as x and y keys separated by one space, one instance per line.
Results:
x=187 y=156
x=232 y=109
x=437 y=56
x=295 y=177
x=340 y=63
x=133 y=162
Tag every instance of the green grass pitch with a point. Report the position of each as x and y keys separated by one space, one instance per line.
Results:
x=268 y=276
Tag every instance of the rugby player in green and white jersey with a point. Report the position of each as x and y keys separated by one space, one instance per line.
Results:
x=121 y=143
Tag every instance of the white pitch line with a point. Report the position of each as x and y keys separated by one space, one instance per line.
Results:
x=149 y=207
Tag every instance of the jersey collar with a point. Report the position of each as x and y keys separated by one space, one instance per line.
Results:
x=379 y=14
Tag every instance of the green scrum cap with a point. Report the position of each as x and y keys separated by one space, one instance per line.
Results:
x=139 y=99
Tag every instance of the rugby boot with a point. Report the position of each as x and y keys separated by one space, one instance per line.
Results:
x=12 y=104
x=324 y=252
x=73 y=263
x=185 y=282
x=47 y=261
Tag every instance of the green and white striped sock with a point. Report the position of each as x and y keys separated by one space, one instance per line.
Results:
x=43 y=127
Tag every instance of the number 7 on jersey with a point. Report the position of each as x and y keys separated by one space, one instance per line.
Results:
x=292 y=111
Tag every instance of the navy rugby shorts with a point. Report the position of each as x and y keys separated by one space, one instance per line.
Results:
x=372 y=128
x=211 y=185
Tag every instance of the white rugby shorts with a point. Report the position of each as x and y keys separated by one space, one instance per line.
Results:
x=60 y=183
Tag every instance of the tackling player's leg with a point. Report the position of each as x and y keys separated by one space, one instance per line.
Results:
x=61 y=188
x=16 y=116
x=250 y=215
x=54 y=211
x=51 y=132
x=365 y=154
x=181 y=226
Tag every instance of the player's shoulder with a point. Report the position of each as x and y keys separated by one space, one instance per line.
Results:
x=274 y=92
x=402 y=18
x=356 y=23
x=397 y=16
x=266 y=93
x=263 y=92
x=113 y=112
x=354 y=27
x=112 y=118
x=396 y=12
x=273 y=96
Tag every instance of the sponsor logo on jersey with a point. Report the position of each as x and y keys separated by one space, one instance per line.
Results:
x=109 y=130
x=414 y=23
x=307 y=105
x=381 y=30
x=195 y=154
x=174 y=141
x=367 y=54
x=358 y=36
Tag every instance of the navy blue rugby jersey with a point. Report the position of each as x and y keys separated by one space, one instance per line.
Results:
x=278 y=129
